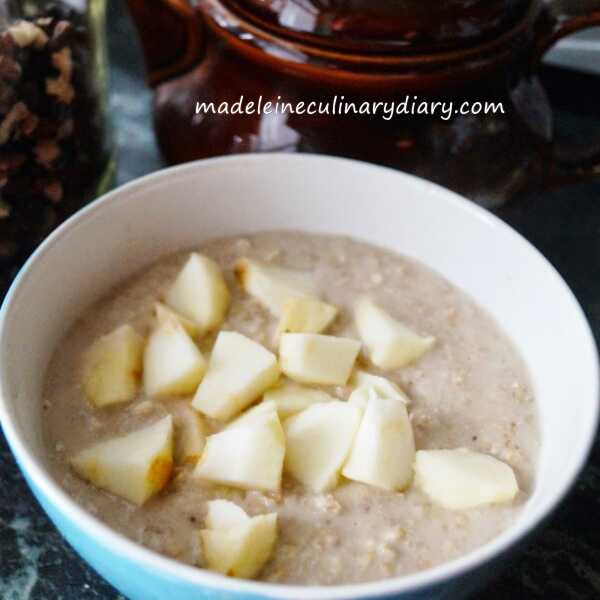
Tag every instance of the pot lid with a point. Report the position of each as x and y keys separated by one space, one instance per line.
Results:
x=395 y=24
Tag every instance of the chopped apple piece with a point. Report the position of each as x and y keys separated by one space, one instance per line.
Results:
x=285 y=401
x=249 y=456
x=291 y=398
x=199 y=293
x=190 y=434
x=241 y=550
x=382 y=386
x=112 y=367
x=239 y=371
x=273 y=286
x=383 y=452
x=390 y=343
x=173 y=365
x=360 y=397
x=223 y=514
x=163 y=313
x=135 y=466
x=254 y=413
x=315 y=358
x=461 y=478
x=319 y=440
x=305 y=315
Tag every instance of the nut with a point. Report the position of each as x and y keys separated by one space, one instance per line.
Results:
x=63 y=61
x=16 y=114
x=61 y=33
x=53 y=191
x=25 y=34
x=46 y=152
x=11 y=162
x=61 y=86
x=10 y=69
x=30 y=124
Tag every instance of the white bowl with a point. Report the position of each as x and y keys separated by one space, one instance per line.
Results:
x=178 y=208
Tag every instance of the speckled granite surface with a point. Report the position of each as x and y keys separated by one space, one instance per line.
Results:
x=562 y=562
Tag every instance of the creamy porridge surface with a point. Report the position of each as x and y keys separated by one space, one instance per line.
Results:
x=472 y=390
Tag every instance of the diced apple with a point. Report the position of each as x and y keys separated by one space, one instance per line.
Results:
x=135 y=466
x=461 y=478
x=319 y=440
x=113 y=366
x=239 y=371
x=249 y=456
x=273 y=286
x=235 y=544
x=254 y=413
x=223 y=514
x=382 y=386
x=390 y=343
x=173 y=365
x=242 y=550
x=285 y=401
x=291 y=398
x=305 y=315
x=383 y=452
x=163 y=313
x=190 y=434
x=199 y=292
x=315 y=358
x=360 y=397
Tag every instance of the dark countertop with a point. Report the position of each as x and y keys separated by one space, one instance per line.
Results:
x=562 y=562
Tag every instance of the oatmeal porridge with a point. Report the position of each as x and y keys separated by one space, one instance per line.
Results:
x=265 y=441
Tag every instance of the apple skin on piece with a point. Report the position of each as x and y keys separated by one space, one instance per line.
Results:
x=135 y=466
x=390 y=343
x=290 y=398
x=163 y=313
x=241 y=550
x=200 y=293
x=319 y=359
x=113 y=366
x=305 y=315
x=461 y=478
x=383 y=451
x=319 y=440
x=173 y=365
x=382 y=386
x=273 y=286
x=249 y=456
x=239 y=371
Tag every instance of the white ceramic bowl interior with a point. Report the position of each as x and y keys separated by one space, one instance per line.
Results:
x=178 y=208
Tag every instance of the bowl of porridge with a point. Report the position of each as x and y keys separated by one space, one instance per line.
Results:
x=288 y=376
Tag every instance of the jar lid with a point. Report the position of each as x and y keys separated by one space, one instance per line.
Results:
x=415 y=25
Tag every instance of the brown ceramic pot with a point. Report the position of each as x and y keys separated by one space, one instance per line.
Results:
x=361 y=51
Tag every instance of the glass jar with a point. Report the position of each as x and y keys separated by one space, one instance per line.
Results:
x=56 y=153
